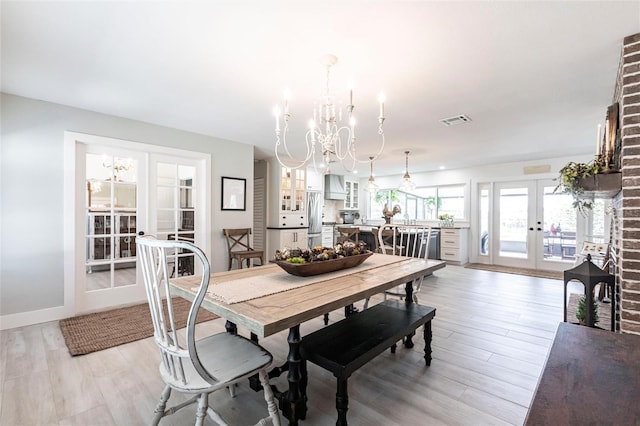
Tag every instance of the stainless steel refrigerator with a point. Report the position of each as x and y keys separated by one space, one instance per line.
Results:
x=315 y=199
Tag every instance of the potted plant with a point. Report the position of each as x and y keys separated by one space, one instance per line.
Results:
x=446 y=220
x=571 y=180
x=581 y=311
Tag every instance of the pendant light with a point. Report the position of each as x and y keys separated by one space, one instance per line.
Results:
x=371 y=186
x=407 y=184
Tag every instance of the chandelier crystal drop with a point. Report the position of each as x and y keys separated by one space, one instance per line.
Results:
x=328 y=140
x=407 y=184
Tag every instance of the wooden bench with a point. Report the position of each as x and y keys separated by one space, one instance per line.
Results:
x=347 y=345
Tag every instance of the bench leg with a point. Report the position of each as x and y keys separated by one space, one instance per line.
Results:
x=408 y=340
x=342 y=402
x=427 y=342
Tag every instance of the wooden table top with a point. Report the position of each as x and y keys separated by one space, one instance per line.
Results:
x=271 y=314
x=591 y=377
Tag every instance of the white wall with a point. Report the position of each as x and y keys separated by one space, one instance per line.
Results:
x=31 y=198
x=471 y=177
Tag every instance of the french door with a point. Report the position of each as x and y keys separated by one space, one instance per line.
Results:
x=124 y=190
x=532 y=227
x=115 y=211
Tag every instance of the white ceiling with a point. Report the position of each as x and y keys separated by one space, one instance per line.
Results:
x=535 y=77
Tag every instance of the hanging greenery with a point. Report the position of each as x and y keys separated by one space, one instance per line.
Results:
x=570 y=182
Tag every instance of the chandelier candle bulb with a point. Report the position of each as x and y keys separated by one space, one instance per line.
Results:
x=606 y=138
x=276 y=112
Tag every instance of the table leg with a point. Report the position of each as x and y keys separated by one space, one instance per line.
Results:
x=293 y=402
x=408 y=300
x=231 y=327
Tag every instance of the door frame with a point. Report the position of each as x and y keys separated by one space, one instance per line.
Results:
x=535 y=241
x=74 y=217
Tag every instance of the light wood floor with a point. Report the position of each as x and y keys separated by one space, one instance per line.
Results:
x=492 y=332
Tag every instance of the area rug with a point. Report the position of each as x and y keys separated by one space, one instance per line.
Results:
x=554 y=275
x=88 y=333
x=604 y=312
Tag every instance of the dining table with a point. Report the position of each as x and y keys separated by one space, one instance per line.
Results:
x=266 y=300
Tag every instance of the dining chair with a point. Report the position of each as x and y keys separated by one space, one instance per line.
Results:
x=388 y=240
x=239 y=247
x=411 y=241
x=190 y=366
x=347 y=233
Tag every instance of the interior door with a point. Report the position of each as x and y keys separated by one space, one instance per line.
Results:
x=123 y=190
x=175 y=205
x=114 y=213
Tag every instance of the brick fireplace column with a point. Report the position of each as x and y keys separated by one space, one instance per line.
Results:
x=628 y=258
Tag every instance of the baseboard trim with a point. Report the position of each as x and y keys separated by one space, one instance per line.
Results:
x=24 y=319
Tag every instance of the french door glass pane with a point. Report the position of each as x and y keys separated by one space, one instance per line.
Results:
x=484 y=221
x=559 y=239
x=111 y=209
x=514 y=203
x=176 y=211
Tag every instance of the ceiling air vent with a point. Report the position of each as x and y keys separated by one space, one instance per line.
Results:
x=458 y=119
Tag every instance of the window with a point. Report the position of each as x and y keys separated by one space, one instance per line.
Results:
x=423 y=204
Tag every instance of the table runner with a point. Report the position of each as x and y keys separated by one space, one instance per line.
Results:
x=244 y=289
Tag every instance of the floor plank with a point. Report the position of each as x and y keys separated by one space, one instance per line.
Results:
x=491 y=336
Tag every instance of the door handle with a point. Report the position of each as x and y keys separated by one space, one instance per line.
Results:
x=141 y=233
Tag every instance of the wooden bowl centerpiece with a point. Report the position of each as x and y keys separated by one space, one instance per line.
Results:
x=320 y=260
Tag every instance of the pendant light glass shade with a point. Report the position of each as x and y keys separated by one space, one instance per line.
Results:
x=371 y=186
x=407 y=184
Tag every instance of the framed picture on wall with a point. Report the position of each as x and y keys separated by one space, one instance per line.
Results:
x=234 y=193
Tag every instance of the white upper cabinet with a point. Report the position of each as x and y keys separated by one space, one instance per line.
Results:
x=352 y=199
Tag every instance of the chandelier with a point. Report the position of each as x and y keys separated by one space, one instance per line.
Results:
x=328 y=140
x=407 y=184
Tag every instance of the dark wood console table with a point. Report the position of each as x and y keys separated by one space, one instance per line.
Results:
x=591 y=376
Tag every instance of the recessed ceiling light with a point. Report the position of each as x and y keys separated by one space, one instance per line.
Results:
x=441 y=167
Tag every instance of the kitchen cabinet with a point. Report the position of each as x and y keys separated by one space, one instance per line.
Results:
x=286 y=238
x=351 y=200
x=292 y=189
x=287 y=195
x=327 y=236
x=453 y=245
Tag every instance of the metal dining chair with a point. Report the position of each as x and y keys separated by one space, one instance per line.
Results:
x=190 y=366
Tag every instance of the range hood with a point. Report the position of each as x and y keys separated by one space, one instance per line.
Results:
x=334 y=187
